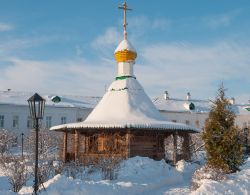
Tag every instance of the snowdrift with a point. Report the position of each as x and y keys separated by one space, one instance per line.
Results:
x=140 y=175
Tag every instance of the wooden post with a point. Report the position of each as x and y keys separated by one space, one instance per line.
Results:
x=84 y=143
x=128 y=144
x=160 y=146
x=175 y=147
x=185 y=147
x=76 y=145
x=165 y=147
x=86 y=140
x=65 y=145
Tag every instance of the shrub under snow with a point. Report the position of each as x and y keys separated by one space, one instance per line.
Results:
x=207 y=172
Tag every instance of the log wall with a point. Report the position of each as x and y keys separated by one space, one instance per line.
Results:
x=81 y=146
x=151 y=146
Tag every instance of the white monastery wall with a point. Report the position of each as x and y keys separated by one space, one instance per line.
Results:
x=52 y=116
x=198 y=119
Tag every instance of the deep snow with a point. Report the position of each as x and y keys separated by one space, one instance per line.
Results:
x=141 y=175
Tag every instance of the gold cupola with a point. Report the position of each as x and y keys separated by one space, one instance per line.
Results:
x=125 y=52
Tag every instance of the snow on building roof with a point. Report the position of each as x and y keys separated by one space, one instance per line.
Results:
x=125 y=105
x=199 y=106
x=20 y=98
x=125 y=45
x=182 y=105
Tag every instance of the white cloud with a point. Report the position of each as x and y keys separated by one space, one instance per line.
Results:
x=108 y=40
x=221 y=20
x=179 y=68
x=6 y=27
x=15 y=44
x=214 y=22
x=161 y=23
x=140 y=25
x=76 y=76
x=79 y=50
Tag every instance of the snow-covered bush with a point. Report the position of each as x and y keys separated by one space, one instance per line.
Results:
x=109 y=167
x=207 y=172
x=45 y=171
x=6 y=141
x=16 y=171
x=58 y=166
x=48 y=142
x=74 y=169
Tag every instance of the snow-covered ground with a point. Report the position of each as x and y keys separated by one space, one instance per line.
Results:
x=140 y=175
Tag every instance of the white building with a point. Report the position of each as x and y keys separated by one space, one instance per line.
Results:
x=15 y=115
x=195 y=112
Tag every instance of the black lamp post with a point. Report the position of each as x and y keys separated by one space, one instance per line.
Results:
x=36 y=106
x=22 y=134
x=246 y=139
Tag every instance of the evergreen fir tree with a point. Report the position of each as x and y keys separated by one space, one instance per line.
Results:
x=222 y=143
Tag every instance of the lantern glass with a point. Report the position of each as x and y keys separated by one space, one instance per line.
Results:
x=36 y=106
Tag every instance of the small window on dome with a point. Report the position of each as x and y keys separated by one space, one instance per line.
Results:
x=248 y=109
x=56 y=99
x=191 y=106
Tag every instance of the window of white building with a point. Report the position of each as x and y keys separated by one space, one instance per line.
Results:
x=79 y=120
x=48 y=121
x=29 y=122
x=187 y=122
x=197 y=123
x=15 y=123
x=1 y=121
x=63 y=120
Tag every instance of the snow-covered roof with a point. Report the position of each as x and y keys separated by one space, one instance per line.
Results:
x=125 y=105
x=125 y=45
x=20 y=98
x=149 y=124
x=200 y=106
x=182 y=105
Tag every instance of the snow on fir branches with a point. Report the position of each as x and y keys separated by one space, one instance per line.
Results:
x=221 y=135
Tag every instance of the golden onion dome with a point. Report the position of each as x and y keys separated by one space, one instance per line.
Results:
x=125 y=52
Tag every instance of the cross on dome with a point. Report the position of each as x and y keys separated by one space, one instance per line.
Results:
x=125 y=52
x=125 y=8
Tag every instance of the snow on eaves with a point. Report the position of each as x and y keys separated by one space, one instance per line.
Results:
x=20 y=98
x=146 y=125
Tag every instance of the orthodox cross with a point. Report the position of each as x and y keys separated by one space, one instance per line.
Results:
x=125 y=8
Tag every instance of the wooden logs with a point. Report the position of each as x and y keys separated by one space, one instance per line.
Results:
x=174 y=148
x=65 y=143
x=76 y=144
x=186 y=147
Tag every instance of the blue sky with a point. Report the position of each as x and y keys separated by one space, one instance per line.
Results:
x=66 y=47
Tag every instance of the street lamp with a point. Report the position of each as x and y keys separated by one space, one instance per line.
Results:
x=36 y=106
x=22 y=134
x=246 y=139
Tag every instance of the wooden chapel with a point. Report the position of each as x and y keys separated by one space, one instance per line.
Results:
x=125 y=123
